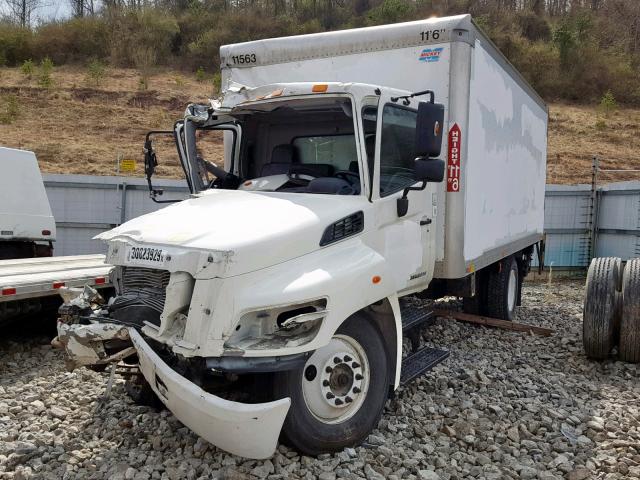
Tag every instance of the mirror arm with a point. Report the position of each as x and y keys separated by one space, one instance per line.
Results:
x=403 y=202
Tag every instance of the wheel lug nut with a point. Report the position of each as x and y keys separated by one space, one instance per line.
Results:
x=347 y=358
x=359 y=377
x=338 y=401
x=328 y=369
x=337 y=360
x=355 y=365
x=330 y=395
x=348 y=399
x=325 y=383
x=356 y=390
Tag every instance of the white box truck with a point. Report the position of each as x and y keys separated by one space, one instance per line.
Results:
x=361 y=167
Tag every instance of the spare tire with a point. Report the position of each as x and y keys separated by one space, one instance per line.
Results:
x=630 y=323
x=599 y=314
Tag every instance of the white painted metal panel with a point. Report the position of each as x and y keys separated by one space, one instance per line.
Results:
x=24 y=207
x=505 y=169
x=401 y=68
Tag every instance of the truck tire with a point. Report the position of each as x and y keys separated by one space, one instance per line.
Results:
x=139 y=390
x=502 y=290
x=600 y=307
x=338 y=396
x=476 y=305
x=630 y=323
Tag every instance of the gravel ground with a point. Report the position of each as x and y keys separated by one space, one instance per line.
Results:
x=504 y=405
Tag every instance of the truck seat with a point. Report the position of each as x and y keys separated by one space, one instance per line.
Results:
x=282 y=157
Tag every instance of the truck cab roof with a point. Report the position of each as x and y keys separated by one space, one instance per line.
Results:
x=239 y=97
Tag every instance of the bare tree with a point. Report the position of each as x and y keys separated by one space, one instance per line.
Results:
x=21 y=11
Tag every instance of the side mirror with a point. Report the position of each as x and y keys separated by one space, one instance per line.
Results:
x=150 y=160
x=429 y=170
x=429 y=126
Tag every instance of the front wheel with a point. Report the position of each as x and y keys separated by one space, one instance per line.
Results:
x=338 y=396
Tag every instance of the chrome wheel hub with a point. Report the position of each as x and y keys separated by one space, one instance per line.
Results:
x=336 y=379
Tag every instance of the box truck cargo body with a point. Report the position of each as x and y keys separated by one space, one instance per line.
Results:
x=361 y=167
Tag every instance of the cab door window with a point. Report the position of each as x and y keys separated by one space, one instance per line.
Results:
x=397 y=149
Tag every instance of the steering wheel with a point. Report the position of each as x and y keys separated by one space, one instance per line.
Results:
x=346 y=175
x=301 y=179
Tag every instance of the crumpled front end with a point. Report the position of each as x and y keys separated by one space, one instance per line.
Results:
x=90 y=338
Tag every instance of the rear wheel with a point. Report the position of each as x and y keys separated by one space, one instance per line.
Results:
x=630 y=322
x=600 y=307
x=476 y=305
x=502 y=290
x=338 y=396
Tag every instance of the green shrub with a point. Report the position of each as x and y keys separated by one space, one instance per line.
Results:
x=74 y=40
x=601 y=124
x=16 y=44
x=391 y=11
x=9 y=109
x=216 y=79
x=46 y=68
x=534 y=27
x=608 y=103
x=27 y=69
x=201 y=76
x=96 y=71
x=143 y=83
x=136 y=33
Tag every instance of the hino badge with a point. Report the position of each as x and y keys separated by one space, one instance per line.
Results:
x=362 y=168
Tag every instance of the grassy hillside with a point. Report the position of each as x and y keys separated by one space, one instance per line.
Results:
x=76 y=126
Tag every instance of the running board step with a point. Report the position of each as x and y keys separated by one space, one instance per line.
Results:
x=419 y=362
x=414 y=316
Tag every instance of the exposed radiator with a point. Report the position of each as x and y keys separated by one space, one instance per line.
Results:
x=148 y=285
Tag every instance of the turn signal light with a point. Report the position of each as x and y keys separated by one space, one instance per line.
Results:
x=320 y=88
x=100 y=281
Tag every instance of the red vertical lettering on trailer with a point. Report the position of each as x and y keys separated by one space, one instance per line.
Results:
x=453 y=160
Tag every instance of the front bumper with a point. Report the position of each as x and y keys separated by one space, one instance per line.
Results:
x=248 y=430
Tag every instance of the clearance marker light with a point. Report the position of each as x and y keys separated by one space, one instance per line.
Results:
x=376 y=279
x=320 y=88
x=100 y=281
x=9 y=291
x=46 y=232
x=58 y=284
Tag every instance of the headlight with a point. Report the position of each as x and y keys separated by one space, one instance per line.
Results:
x=278 y=327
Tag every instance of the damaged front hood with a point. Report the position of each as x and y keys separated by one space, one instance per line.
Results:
x=247 y=230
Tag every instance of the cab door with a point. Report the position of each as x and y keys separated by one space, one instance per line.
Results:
x=198 y=139
x=407 y=241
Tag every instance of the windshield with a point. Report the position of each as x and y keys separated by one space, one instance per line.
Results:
x=299 y=145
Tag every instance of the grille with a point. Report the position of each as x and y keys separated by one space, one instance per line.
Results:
x=345 y=227
x=147 y=285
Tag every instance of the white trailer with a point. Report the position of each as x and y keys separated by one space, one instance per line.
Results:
x=27 y=227
x=30 y=278
x=361 y=167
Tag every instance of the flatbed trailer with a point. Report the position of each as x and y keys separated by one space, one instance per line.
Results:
x=25 y=282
